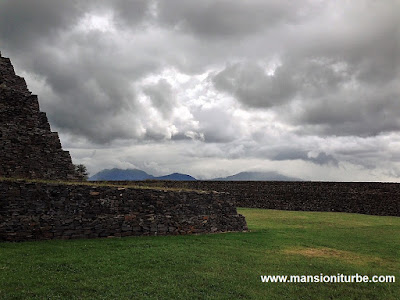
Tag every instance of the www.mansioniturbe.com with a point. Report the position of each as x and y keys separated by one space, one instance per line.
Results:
x=321 y=278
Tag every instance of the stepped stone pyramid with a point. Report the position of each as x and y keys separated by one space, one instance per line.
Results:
x=28 y=148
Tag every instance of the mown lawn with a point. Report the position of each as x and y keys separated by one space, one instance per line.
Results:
x=215 y=266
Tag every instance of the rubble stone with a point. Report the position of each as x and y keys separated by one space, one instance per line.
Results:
x=371 y=198
x=28 y=148
x=35 y=211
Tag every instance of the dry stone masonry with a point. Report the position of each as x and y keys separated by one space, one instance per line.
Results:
x=28 y=148
x=36 y=211
x=371 y=198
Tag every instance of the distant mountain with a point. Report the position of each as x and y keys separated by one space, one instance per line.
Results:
x=136 y=175
x=176 y=177
x=118 y=174
x=257 y=176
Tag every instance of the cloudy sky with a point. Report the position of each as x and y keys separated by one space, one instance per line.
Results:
x=307 y=88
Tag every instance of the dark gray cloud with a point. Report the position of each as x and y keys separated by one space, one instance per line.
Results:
x=223 y=18
x=88 y=101
x=250 y=84
x=161 y=96
x=328 y=95
x=128 y=12
x=89 y=76
x=305 y=79
x=291 y=154
x=359 y=114
x=24 y=24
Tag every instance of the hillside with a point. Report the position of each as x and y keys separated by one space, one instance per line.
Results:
x=257 y=176
x=118 y=174
x=176 y=177
x=136 y=175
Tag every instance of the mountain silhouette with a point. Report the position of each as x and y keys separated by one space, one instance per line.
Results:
x=257 y=176
x=136 y=175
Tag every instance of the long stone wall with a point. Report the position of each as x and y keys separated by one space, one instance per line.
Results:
x=28 y=148
x=36 y=211
x=372 y=198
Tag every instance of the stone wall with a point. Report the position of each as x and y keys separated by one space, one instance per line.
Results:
x=28 y=148
x=36 y=211
x=372 y=198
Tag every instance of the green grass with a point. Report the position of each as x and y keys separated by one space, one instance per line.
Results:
x=214 y=266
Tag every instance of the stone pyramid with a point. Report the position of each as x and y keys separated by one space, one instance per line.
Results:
x=28 y=148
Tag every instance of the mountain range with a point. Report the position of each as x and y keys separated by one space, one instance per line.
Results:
x=137 y=175
x=257 y=176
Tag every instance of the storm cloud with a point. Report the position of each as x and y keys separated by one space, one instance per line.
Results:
x=308 y=88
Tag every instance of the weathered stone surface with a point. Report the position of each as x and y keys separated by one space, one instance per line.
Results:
x=28 y=149
x=372 y=198
x=35 y=211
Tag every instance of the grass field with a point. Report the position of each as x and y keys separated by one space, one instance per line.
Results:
x=214 y=266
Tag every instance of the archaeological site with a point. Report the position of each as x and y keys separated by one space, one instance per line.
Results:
x=36 y=205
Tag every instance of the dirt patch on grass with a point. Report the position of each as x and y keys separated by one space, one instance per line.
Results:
x=347 y=256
